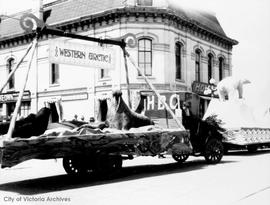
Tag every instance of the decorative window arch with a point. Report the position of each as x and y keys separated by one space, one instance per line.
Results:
x=10 y=65
x=210 y=62
x=221 y=63
x=145 y=55
x=210 y=51
x=198 y=54
x=200 y=48
x=178 y=60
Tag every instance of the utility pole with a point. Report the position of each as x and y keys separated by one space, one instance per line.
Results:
x=39 y=13
x=40 y=9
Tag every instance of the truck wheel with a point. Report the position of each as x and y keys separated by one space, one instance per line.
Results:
x=180 y=158
x=108 y=165
x=213 y=151
x=252 y=148
x=115 y=163
x=76 y=166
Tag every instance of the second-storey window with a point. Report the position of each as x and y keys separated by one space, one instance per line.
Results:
x=210 y=66
x=10 y=65
x=197 y=65
x=178 y=61
x=104 y=73
x=145 y=56
x=54 y=74
x=221 y=68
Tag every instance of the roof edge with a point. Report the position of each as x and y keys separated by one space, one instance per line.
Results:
x=137 y=10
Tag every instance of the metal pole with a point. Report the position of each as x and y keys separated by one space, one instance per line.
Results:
x=59 y=32
x=18 y=103
x=40 y=14
x=155 y=91
x=36 y=69
x=17 y=66
x=40 y=9
x=127 y=77
x=167 y=120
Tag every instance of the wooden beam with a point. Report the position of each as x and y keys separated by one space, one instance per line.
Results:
x=18 y=103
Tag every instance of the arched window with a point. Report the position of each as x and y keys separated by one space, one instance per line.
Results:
x=197 y=65
x=145 y=56
x=210 y=66
x=221 y=68
x=178 y=61
x=10 y=65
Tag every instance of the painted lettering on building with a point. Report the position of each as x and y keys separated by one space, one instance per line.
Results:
x=154 y=107
x=13 y=96
x=200 y=88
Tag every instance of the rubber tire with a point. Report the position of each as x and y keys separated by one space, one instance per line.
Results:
x=109 y=165
x=180 y=158
x=214 y=151
x=77 y=166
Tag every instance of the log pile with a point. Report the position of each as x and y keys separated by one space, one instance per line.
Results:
x=150 y=143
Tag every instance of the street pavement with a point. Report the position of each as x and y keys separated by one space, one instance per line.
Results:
x=239 y=179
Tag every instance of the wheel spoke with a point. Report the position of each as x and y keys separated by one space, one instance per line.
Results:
x=213 y=151
x=77 y=165
x=180 y=157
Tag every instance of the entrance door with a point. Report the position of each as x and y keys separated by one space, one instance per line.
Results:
x=10 y=109
x=103 y=109
x=201 y=108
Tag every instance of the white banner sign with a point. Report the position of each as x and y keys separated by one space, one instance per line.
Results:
x=81 y=55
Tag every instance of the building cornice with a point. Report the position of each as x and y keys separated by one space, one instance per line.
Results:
x=127 y=15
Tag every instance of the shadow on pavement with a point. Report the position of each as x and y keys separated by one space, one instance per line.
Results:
x=65 y=182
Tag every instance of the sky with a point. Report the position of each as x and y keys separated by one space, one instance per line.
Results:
x=247 y=21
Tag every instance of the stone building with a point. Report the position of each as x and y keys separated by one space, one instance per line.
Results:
x=178 y=49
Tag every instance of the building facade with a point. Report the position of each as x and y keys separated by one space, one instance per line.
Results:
x=177 y=49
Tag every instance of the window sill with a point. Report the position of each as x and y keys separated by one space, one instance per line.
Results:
x=10 y=89
x=104 y=79
x=54 y=85
x=179 y=80
x=149 y=77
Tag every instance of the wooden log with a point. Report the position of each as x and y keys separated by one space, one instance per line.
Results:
x=146 y=143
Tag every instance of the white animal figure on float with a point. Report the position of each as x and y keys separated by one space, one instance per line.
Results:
x=232 y=111
x=236 y=111
x=231 y=87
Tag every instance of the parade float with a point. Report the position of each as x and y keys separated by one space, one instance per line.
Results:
x=246 y=127
x=88 y=148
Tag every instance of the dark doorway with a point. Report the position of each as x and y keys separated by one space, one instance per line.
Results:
x=103 y=106
x=10 y=108
x=54 y=113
